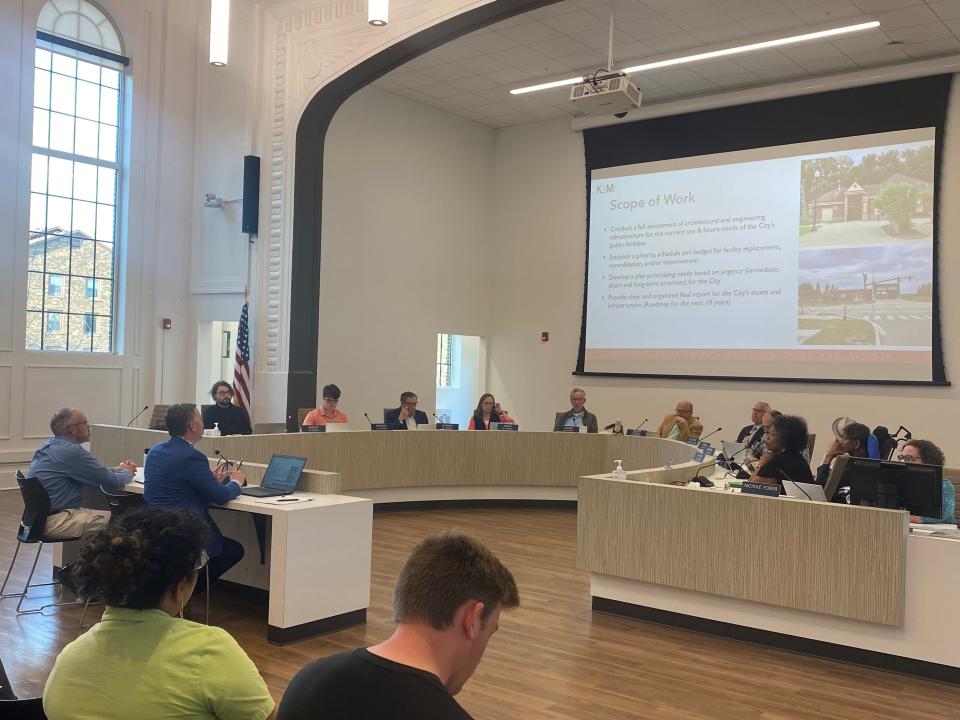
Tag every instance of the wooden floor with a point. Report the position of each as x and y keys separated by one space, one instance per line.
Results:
x=553 y=658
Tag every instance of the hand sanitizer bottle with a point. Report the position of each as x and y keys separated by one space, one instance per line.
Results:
x=618 y=472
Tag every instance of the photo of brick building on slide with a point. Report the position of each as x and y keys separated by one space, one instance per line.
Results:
x=859 y=202
x=866 y=248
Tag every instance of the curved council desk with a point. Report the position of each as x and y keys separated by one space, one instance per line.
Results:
x=429 y=466
x=847 y=583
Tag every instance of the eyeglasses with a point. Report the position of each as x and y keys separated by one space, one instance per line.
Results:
x=909 y=458
x=77 y=424
x=410 y=403
x=202 y=561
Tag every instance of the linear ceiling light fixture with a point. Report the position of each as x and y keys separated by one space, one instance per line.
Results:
x=709 y=55
x=377 y=11
x=219 y=32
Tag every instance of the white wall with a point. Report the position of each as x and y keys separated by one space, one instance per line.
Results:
x=405 y=252
x=162 y=42
x=540 y=217
x=469 y=363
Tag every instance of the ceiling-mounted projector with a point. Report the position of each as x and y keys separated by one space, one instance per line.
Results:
x=608 y=94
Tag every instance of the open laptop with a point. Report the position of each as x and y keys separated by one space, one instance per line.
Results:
x=281 y=478
x=835 y=477
x=269 y=428
x=804 y=491
x=731 y=448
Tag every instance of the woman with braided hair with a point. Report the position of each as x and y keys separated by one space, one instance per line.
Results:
x=142 y=660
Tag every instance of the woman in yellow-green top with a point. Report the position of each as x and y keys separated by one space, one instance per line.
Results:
x=142 y=660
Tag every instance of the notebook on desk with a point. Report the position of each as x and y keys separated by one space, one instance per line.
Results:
x=281 y=477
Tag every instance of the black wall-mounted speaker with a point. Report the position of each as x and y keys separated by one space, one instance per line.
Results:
x=251 y=194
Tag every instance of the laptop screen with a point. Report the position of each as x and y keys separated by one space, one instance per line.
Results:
x=283 y=473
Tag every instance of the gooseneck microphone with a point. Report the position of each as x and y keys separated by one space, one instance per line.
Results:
x=729 y=460
x=709 y=434
x=145 y=407
x=698 y=478
x=368 y=419
x=223 y=459
x=732 y=467
x=641 y=424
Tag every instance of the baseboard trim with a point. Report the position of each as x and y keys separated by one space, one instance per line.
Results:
x=295 y=633
x=478 y=503
x=781 y=641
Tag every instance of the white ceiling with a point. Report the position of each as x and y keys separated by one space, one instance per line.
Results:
x=471 y=77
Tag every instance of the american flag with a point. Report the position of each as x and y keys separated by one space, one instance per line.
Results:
x=241 y=363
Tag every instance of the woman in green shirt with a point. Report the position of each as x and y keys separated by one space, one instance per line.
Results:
x=142 y=660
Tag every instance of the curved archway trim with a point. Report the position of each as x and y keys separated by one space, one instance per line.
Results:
x=308 y=181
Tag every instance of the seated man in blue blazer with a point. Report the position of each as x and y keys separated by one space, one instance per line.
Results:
x=177 y=475
x=406 y=417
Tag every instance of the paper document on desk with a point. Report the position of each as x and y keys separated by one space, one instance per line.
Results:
x=138 y=476
x=934 y=528
x=282 y=500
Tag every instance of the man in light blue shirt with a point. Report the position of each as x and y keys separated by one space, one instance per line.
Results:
x=63 y=466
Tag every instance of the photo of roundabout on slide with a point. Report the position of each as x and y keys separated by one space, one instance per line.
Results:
x=866 y=248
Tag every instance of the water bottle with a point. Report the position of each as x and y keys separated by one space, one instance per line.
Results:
x=618 y=472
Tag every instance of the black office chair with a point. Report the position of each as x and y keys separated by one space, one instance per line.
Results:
x=36 y=508
x=121 y=502
x=31 y=709
x=12 y=708
x=6 y=692
x=118 y=503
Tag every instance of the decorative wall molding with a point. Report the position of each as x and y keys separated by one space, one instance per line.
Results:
x=81 y=384
x=6 y=395
x=308 y=44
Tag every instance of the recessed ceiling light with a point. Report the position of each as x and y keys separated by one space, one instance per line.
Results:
x=219 y=32
x=711 y=54
x=377 y=12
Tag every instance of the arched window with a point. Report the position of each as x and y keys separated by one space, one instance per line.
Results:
x=75 y=179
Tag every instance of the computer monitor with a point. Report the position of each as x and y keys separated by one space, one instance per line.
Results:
x=913 y=487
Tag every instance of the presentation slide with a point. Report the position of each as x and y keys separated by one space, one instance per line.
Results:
x=808 y=261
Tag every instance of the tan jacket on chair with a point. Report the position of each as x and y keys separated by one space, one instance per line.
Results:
x=694 y=428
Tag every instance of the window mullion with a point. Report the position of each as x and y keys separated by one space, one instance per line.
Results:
x=49 y=152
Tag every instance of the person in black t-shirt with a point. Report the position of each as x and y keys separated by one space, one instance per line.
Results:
x=228 y=417
x=447 y=604
x=853 y=441
x=783 y=460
